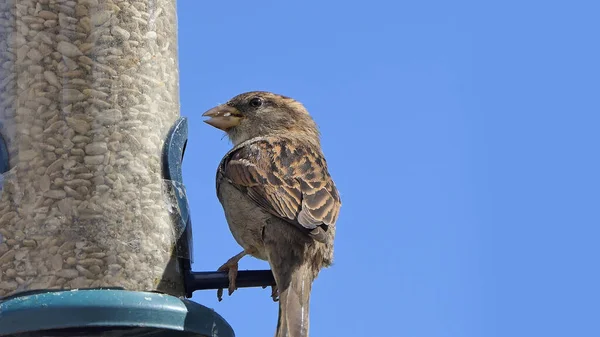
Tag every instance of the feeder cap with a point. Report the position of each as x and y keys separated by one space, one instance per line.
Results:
x=102 y=312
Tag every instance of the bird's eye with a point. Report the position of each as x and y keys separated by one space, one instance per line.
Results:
x=256 y=102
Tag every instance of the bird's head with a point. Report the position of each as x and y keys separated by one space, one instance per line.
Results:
x=260 y=113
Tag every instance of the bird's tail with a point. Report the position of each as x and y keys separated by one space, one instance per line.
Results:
x=294 y=300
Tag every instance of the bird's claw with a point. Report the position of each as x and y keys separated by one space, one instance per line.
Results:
x=274 y=293
x=232 y=268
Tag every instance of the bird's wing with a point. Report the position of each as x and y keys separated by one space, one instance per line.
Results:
x=287 y=179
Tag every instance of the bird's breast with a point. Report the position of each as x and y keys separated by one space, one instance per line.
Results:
x=245 y=219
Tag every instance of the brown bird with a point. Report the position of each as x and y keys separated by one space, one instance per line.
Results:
x=278 y=197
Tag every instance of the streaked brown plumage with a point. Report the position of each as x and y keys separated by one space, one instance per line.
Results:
x=279 y=199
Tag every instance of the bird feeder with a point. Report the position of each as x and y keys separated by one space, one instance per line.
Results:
x=95 y=228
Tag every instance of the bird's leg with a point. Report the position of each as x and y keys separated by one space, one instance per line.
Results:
x=230 y=266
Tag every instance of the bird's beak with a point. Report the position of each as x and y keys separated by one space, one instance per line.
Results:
x=223 y=117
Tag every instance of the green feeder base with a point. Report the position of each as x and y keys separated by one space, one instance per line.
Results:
x=102 y=312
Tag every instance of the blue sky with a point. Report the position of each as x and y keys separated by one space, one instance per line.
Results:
x=463 y=136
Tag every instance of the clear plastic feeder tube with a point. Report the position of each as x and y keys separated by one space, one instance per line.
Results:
x=88 y=91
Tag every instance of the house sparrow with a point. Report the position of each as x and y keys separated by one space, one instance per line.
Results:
x=278 y=197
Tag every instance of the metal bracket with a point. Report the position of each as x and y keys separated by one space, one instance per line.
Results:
x=173 y=152
x=3 y=160
x=3 y=156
